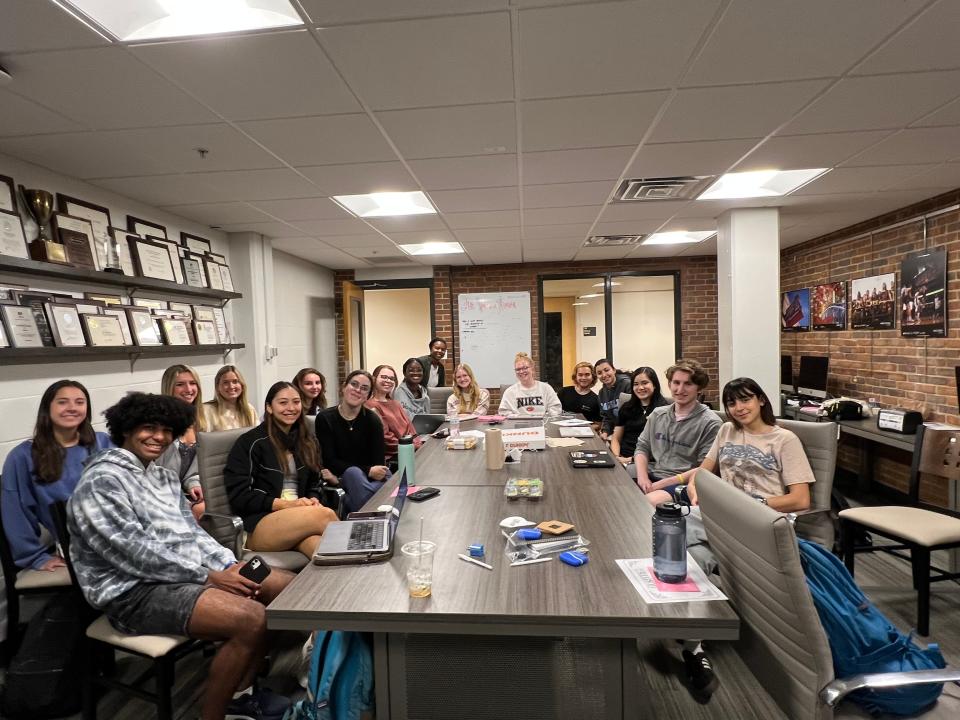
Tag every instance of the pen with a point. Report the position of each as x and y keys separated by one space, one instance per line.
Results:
x=468 y=559
x=529 y=562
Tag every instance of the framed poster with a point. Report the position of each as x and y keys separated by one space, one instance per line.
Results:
x=145 y=228
x=923 y=296
x=828 y=306
x=795 y=310
x=871 y=303
x=195 y=243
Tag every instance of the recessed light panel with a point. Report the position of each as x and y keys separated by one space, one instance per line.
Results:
x=760 y=183
x=433 y=248
x=133 y=20
x=387 y=204
x=678 y=237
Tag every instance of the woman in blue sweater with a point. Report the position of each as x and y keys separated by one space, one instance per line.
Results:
x=46 y=469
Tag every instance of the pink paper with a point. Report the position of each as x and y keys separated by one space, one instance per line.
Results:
x=410 y=489
x=491 y=418
x=686 y=586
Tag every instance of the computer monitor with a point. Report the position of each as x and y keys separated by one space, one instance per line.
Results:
x=812 y=379
x=786 y=374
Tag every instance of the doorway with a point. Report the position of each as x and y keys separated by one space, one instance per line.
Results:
x=398 y=321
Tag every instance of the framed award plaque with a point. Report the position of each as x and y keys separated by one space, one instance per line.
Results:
x=142 y=327
x=120 y=313
x=152 y=259
x=206 y=332
x=194 y=243
x=102 y=330
x=12 y=241
x=175 y=332
x=21 y=326
x=76 y=234
x=65 y=324
x=145 y=228
x=8 y=200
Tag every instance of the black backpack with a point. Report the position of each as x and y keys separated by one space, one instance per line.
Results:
x=45 y=677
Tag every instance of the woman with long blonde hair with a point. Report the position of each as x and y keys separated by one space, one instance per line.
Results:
x=468 y=398
x=230 y=409
x=183 y=383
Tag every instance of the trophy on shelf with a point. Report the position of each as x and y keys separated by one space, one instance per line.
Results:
x=39 y=204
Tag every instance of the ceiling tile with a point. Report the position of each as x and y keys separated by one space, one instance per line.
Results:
x=408 y=223
x=83 y=155
x=691 y=224
x=361 y=178
x=269 y=75
x=31 y=25
x=743 y=111
x=478 y=199
x=793 y=152
x=164 y=189
x=175 y=149
x=563 y=194
x=594 y=49
x=707 y=247
x=759 y=40
x=654 y=251
x=495 y=253
x=947 y=115
x=642 y=210
x=227 y=213
x=415 y=63
x=581 y=122
x=550 y=241
x=257 y=185
x=25 y=117
x=387 y=249
x=103 y=89
x=864 y=103
x=945 y=176
x=303 y=209
x=628 y=227
x=916 y=145
x=560 y=166
x=268 y=229
x=545 y=232
x=861 y=179
x=487 y=235
x=337 y=11
x=346 y=226
x=350 y=242
x=602 y=253
x=452 y=131
x=317 y=252
x=496 y=218
x=561 y=215
x=688 y=158
x=322 y=140
x=550 y=254
x=423 y=236
x=930 y=43
x=466 y=172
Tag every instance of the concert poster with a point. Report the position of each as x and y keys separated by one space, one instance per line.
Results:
x=871 y=302
x=828 y=305
x=923 y=296
x=795 y=310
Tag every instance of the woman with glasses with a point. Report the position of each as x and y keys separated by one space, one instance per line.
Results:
x=395 y=421
x=580 y=397
x=230 y=409
x=633 y=414
x=352 y=442
x=410 y=393
x=467 y=398
x=528 y=396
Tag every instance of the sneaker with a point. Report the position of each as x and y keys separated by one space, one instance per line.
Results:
x=261 y=704
x=700 y=672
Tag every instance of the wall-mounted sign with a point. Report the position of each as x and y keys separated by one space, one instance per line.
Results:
x=589 y=332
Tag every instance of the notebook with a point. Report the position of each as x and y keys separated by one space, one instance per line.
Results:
x=363 y=540
x=583 y=432
x=591 y=459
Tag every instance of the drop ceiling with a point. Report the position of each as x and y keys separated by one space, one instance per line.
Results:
x=518 y=118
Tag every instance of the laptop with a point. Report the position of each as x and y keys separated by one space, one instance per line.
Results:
x=428 y=424
x=362 y=540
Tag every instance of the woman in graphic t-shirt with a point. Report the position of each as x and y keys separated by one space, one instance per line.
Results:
x=529 y=396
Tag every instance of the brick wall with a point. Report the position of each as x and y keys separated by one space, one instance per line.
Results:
x=912 y=373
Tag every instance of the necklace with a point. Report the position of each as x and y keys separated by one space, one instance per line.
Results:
x=348 y=421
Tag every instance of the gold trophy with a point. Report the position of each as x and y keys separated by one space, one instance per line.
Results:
x=39 y=203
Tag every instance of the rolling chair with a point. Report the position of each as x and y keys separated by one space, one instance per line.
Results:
x=919 y=530
x=438 y=399
x=819 y=442
x=781 y=639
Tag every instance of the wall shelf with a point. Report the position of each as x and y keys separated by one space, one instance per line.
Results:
x=21 y=356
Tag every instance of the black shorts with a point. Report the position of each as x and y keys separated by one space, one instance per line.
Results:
x=155 y=608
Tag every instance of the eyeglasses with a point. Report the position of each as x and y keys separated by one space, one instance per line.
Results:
x=359 y=386
x=523 y=368
x=388 y=379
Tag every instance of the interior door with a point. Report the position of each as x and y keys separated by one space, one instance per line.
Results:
x=353 y=326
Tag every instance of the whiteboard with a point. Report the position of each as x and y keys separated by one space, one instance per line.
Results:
x=494 y=327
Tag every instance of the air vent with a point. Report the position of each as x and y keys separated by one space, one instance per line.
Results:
x=390 y=260
x=658 y=189
x=613 y=240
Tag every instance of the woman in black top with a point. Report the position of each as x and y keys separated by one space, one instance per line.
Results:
x=273 y=477
x=579 y=397
x=313 y=390
x=633 y=415
x=351 y=439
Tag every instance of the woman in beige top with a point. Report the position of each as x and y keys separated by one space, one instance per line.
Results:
x=467 y=398
x=230 y=409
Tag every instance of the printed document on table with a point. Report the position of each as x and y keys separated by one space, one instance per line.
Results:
x=639 y=572
x=572 y=422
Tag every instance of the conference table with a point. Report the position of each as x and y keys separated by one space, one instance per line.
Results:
x=548 y=639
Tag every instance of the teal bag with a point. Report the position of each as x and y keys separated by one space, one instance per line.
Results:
x=340 y=685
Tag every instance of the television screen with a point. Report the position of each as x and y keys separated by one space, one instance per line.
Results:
x=812 y=379
x=786 y=373
x=795 y=310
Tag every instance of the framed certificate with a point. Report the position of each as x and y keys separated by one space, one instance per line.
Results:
x=142 y=327
x=102 y=330
x=12 y=241
x=105 y=298
x=217 y=257
x=175 y=332
x=213 y=274
x=203 y=312
x=182 y=309
x=123 y=249
x=8 y=200
x=145 y=227
x=152 y=259
x=65 y=324
x=4 y=340
x=92 y=307
x=221 y=321
x=174 y=251
x=206 y=332
x=201 y=273
x=76 y=234
x=99 y=218
x=151 y=303
x=193 y=271
x=194 y=243
x=120 y=313
x=21 y=326
x=226 y=278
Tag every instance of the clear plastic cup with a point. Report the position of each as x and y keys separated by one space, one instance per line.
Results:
x=418 y=556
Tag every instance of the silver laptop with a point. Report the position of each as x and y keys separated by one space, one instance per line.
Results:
x=368 y=536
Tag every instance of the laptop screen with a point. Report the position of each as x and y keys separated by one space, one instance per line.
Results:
x=398 y=502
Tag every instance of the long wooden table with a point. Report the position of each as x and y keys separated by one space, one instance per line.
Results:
x=463 y=651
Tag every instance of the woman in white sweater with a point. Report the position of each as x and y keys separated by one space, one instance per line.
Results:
x=529 y=396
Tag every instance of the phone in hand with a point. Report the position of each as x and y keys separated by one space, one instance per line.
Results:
x=423 y=494
x=255 y=569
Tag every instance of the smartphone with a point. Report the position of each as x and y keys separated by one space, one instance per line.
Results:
x=255 y=569
x=423 y=494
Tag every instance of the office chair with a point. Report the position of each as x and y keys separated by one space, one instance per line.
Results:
x=438 y=399
x=819 y=442
x=919 y=530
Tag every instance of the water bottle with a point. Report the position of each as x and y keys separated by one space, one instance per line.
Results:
x=454 y=426
x=669 y=543
x=405 y=459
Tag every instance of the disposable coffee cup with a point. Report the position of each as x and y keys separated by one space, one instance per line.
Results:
x=418 y=556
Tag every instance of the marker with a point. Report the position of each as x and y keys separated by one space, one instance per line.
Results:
x=530 y=562
x=467 y=558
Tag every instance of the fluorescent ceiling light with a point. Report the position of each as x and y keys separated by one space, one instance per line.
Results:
x=433 y=248
x=678 y=237
x=387 y=204
x=760 y=183
x=589 y=295
x=133 y=20
x=575 y=304
x=600 y=284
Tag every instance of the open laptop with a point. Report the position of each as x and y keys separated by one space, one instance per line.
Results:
x=427 y=424
x=362 y=540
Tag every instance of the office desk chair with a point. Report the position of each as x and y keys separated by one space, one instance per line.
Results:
x=438 y=399
x=919 y=530
x=819 y=442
